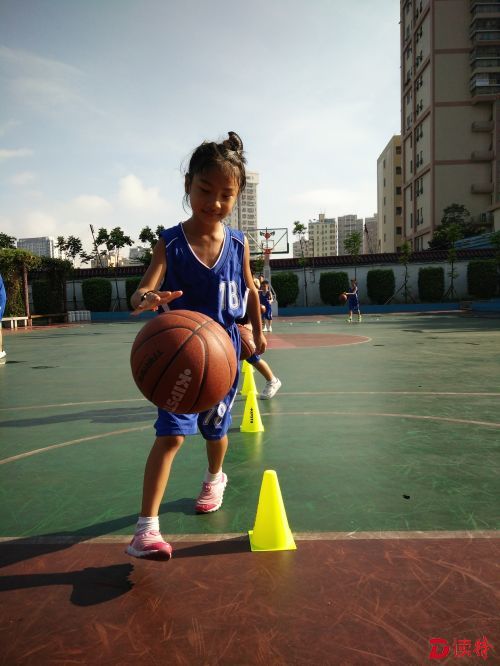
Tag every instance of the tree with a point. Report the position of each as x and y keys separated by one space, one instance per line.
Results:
x=114 y=241
x=458 y=216
x=148 y=236
x=353 y=244
x=62 y=246
x=7 y=241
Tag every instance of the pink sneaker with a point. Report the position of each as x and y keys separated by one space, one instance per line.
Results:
x=149 y=546
x=210 y=498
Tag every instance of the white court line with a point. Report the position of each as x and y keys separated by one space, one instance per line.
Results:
x=238 y=536
x=35 y=452
x=125 y=400
x=417 y=417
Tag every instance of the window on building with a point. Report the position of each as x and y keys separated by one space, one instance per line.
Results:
x=398 y=150
x=398 y=190
x=398 y=171
x=398 y=210
x=399 y=231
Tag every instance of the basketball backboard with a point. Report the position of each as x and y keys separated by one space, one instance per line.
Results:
x=268 y=241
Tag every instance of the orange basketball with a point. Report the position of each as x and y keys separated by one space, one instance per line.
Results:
x=183 y=361
x=247 y=343
x=342 y=298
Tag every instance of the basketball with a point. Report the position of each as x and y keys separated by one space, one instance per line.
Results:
x=247 y=343
x=342 y=298
x=183 y=362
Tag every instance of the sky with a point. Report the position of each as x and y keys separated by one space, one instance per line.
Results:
x=102 y=102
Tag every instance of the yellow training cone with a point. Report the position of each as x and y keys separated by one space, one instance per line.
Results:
x=271 y=530
x=251 y=416
x=247 y=367
x=249 y=382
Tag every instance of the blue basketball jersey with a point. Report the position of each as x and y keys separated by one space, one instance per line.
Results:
x=219 y=292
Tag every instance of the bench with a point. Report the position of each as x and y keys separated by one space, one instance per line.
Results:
x=14 y=322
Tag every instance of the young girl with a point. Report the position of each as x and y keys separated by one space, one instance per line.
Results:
x=201 y=265
x=353 y=300
x=266 y=298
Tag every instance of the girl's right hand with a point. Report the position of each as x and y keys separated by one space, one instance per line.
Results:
x=154 y=299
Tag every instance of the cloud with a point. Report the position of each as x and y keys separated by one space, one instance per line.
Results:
x=7 y=154
x=134 y=195
x=46 y=85
x=336 y=202
x=90 y=203
x=5 y=128
x=23 y=178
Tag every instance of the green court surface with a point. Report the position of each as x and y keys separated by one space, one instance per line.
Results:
x=396 y=429
x=385 y=438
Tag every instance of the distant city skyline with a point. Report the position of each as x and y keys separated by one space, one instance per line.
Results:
x=103 y=102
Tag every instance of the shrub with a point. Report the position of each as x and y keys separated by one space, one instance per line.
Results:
x=431 y=284
x=12 y=263
x=482 y=278
x=97 y=294
x=331 y=285
x=47 y=298
x=286 y=286
x=131 y=285
x=380 y=285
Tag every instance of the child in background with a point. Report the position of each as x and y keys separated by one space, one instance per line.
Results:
x=266 y=298
x=273 y=384
x=353 y=300
x=200 y=265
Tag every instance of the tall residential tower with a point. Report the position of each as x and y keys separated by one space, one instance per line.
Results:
x=450 y=92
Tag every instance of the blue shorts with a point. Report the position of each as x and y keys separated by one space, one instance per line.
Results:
x=213 y=423
x=254 y=358
x=353 y=303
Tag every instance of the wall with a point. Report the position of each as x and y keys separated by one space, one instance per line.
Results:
x=313 y=297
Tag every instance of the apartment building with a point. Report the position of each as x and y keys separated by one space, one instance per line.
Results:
x=43 y=246
x=390 y=197
x=346 y=225
x=244 y=214
x=370 y=235
x=450 y=92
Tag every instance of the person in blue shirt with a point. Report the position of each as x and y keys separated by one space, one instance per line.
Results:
x=353 y=300
x=200 y=265
x=3 y=301
x=266 y=298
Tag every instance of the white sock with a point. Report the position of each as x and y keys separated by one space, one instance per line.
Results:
x=147 y=524
x=212 y=478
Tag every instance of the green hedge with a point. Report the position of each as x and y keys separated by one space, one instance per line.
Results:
x=47 y=297
x=331 y=285
x=431 y=284
x=380 y=285
x=131 y=285
x=482 y=278
x=286 y=286
x=97 y=294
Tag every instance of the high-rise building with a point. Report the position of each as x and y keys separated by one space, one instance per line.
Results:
x=370 y=235
x=322 y=234
x=450 y=105
x=244 y=214
x=346 y=225
x=389 y=197
x=43 y=246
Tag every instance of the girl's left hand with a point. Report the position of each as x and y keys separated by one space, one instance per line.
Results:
x=260 y=343
x=154 y=299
